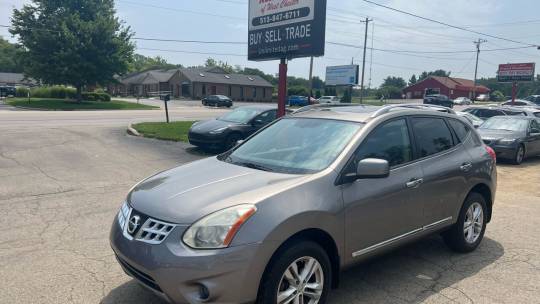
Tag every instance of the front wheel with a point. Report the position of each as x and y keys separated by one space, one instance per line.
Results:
x=468 y=232
x=300 y=274
x=519 y=156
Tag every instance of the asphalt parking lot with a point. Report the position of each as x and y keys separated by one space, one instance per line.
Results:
x=61 y=187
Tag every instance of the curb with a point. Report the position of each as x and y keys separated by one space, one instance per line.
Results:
x=132 y=131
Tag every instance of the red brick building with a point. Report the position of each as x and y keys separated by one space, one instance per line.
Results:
x=449 y=86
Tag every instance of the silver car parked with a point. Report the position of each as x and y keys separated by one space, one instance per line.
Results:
x=278 y=217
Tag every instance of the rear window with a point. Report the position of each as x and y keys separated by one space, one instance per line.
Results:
x=432 y=135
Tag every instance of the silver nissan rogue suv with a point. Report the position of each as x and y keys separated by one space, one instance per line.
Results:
x=275 y=219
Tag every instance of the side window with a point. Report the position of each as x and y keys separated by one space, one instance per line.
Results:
x=266 y=117
x=535 y=126
x=390 y=142
x=432 y=135
x=462 y=131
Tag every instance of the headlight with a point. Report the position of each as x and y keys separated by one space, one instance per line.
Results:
x=218 y=229
x=218 y=131
x=123 y=215
x=507 y=141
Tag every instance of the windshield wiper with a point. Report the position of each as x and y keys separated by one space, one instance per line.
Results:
x=253 y=166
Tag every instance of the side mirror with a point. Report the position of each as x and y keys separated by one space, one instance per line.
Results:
x=372 y=168
x=367 y=169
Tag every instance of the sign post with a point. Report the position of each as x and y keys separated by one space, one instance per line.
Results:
x=283 y=30
x=514 y=73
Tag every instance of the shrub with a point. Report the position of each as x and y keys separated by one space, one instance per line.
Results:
x=95 y=96
x=497 y=96
x=22 y=92
x=60 y=92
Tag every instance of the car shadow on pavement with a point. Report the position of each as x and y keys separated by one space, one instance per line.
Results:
x=528 y=162
x=410 y=274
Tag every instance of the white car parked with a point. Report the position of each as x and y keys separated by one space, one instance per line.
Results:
x=329 y=99
x=462 y=101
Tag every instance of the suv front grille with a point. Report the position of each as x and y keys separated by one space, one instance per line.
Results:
x=140 y=227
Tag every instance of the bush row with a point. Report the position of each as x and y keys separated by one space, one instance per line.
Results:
x=62 y=92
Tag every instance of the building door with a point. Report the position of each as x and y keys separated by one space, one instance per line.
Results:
x=186 y=91
x=213 y=89
x=241 y=93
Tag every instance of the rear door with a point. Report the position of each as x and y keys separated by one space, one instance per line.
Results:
x=446 y=167
x=382 y=211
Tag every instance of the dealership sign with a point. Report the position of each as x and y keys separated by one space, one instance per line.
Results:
x=343 y=75
x=512 y=72
x=286 y=29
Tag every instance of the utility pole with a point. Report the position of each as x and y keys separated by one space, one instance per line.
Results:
x=310 y=79
x=371 y=56
x=477 y=43
x=364 y=60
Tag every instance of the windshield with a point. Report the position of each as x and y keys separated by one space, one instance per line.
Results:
x=500 y=123
x=240 y=115
x=295 y=145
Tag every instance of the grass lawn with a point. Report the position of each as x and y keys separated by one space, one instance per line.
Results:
x=175 y=131
x=70 y=105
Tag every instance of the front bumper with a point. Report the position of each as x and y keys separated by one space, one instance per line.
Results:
x=206 y=140
x=176 y=273
x=503 y=151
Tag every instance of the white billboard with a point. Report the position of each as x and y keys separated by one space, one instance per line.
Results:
x=343 y=75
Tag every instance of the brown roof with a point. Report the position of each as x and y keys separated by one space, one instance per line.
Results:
x=457 y=83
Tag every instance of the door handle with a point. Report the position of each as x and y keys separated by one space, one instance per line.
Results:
x=415 y=182
x=466 y=167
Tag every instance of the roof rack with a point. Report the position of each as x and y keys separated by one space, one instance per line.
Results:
x=388 y=108
x=326 y=106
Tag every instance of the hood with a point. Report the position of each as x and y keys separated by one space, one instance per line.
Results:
x=491 y=134
x=210 y=125
x=185 y=194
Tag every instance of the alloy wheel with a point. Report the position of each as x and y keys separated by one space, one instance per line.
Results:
x=302 y=282
x=474 y=223
x=519 y=155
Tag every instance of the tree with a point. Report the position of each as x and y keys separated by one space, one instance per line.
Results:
x=210 y=63
x=438 y=72
x=10 y=56
x=413 y=80
x=143 y=63
x=392 y=81
x=76 y=42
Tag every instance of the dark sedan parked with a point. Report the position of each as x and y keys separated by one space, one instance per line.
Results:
x=439 y=100
x=512 y=137
x=225 y=131
x=217 y=101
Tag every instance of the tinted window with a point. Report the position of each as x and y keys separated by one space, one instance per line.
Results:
x=488 y=113
x=462 y=131
x=432 y=135
x=514 y=113
x=390 y=142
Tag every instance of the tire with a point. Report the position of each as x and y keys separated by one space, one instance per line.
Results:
x=301 y=254
x=231 y=140
x=463 y=240
x=519 y=156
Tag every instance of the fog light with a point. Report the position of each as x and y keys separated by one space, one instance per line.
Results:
x=204 y=294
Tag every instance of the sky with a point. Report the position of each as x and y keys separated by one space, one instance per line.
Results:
x=226 y=20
